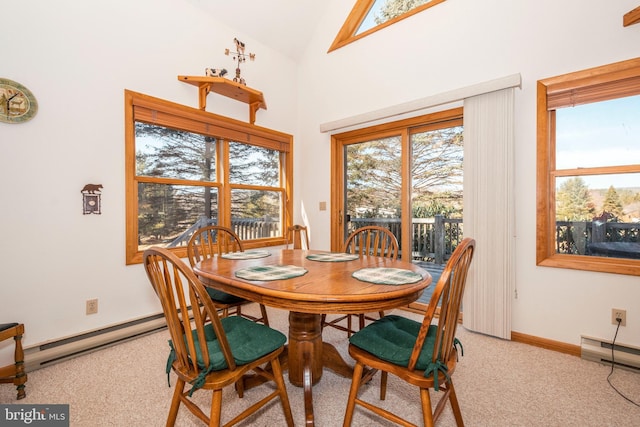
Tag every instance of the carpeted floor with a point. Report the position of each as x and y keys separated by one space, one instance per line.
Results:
x=499 y=383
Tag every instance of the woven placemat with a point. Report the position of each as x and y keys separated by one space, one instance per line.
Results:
x=387 y=276
x=333 y=257
x=246 y=255
x=270 y=272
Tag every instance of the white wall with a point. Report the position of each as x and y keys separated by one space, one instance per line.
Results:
x=77 y=58
x=453 y=45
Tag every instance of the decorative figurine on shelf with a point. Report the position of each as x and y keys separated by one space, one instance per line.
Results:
x=239 y=56
x=215 y=72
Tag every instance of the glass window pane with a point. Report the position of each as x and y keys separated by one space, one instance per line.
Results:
x=172 y=153
x=585 y=197
x=436 y=192
x=168 y=214
x=256 y=214
x=599 y=134
x=437 y=173
x=253 y=165
x=593 y=212
x=384 y=10
x=374 y=184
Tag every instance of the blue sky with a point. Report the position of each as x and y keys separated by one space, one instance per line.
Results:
x=600 y=134
x=369 y=21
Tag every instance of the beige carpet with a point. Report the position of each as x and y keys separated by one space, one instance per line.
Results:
x=499 y=383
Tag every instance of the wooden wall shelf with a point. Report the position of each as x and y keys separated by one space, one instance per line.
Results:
x=228 y=88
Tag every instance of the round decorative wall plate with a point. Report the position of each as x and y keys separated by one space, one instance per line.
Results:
x=17 y=103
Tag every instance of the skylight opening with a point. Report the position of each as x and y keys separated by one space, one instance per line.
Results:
x=369 y=16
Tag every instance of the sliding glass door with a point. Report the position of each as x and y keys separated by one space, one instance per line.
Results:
x=405 y=176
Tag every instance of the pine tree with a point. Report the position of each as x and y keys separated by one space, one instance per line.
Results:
x=395 y=8
x=612 y=203
x=573 y=201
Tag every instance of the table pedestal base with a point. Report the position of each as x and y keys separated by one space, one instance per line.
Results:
x=305 y=345
x=305 y=357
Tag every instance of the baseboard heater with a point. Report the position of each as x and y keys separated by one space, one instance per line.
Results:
x=45 y=354
x=598 y=350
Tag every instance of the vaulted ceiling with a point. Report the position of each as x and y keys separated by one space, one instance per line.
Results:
x=284 y=25
x=288 y=25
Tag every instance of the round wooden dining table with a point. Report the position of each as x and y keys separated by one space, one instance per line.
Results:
x=319 y=283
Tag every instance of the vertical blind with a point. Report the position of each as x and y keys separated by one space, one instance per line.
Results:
x=489 y=211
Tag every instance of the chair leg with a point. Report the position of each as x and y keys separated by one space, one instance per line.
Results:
x=21 y=376
x=353 y=394
x=216 y=408
x=265 y=319
x=240 y=388
x=282 y=388
x=383 y=385
x=175 y=403
x=427 y=415
x=455 y=406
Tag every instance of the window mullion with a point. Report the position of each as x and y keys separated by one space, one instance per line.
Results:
x=224 y=208
x=405 y=195
x=600 y=170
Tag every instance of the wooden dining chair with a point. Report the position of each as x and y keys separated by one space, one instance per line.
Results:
x=213 y=240
x=207 y=351
x=14 y=373
x=369 y=240
x=298 y=236
x=422 y=354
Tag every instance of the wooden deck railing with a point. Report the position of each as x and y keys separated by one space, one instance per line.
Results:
x=255 y=228
x=434 y=239
x=245 y=228
x=574 y=237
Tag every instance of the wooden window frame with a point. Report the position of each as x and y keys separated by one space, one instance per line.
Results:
x=592 y=85
x=147 y=109
x=347 y=33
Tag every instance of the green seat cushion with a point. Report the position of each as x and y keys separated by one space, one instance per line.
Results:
x=392 y=339
x=223 y=297
x=248 y=342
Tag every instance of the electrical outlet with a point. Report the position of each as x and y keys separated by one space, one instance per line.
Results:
x=92 y=306
x=617 y=313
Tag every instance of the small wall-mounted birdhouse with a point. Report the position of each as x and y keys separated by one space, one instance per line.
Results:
x=91 y=199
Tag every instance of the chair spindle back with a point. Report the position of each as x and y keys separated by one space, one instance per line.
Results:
x=448 y=294
x=372 y=240
x=212 y=240
x=182 y=294
x=298 y=236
